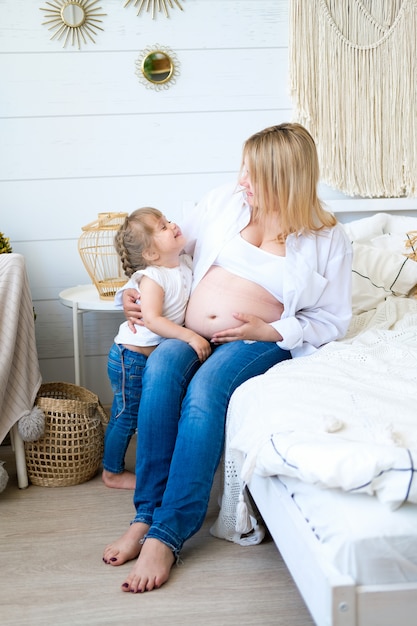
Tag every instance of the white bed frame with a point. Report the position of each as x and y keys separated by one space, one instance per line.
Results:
x=333 y=599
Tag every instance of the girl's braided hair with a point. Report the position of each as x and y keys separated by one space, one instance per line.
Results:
x=134 y=237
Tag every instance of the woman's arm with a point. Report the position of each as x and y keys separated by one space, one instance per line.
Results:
x=321 y=312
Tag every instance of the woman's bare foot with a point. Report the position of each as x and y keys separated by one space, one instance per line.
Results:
x=152 y=568
x=127 y=547
x=124 y=480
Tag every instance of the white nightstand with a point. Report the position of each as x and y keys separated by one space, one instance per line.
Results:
x=83 y=299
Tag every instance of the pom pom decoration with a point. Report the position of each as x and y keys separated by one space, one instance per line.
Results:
x=4 y=477
x=243 y=521
x=332 y=424
x=31 y=425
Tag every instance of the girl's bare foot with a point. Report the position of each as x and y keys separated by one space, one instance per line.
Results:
x=127 y=547
x=152 y=568
x=124 y=480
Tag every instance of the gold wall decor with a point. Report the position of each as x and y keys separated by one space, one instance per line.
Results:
x=73 y=20
x=153 y=5
x=157 y=67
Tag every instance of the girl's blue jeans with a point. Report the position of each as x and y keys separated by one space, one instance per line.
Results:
x=181 y=430
x=125 y=370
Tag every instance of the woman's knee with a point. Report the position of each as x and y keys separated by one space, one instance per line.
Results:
x=173 y=362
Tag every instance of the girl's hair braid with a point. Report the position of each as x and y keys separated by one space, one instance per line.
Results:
x=134 y=237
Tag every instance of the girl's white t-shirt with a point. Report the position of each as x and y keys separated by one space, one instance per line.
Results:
x=176 y=284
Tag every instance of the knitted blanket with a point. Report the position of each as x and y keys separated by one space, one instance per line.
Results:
x=343 y=418
x=20 y=376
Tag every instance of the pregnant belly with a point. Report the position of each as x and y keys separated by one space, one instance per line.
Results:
x=220 y=294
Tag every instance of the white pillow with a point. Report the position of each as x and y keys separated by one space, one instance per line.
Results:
x=368 y=228
x=378 y=272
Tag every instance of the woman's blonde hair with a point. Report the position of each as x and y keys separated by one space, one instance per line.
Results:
x=284 y=170
x=134 y=237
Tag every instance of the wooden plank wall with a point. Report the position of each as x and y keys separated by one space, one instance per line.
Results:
x=80 y=135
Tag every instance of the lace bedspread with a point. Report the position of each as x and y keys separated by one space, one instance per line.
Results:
x=352 y=426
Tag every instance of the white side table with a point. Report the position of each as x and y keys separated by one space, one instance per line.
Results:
x=82 y=299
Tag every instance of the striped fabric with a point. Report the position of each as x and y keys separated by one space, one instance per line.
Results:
x=20 y=376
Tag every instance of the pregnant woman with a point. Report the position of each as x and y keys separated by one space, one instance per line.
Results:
x=272 y=275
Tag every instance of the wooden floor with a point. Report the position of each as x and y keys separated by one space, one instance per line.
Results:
x=51 y=543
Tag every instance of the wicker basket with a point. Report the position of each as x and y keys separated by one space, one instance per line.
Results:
x=97 y=251
x=70 y=451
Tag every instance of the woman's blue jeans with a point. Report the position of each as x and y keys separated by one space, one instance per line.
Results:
x=181 y=430
x=125 y=370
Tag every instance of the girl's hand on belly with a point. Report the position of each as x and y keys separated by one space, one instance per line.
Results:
x=253 y=328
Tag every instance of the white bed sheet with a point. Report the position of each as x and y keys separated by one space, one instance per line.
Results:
x=360 y=536
x=266 y=405
x=344 y=417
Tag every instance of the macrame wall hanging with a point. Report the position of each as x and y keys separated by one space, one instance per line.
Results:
x=353 y=80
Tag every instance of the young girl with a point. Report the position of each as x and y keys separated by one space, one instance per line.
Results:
x=150 y=249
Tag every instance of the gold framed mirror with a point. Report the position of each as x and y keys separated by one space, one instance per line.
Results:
x=157 y=67
x=73 y=20
x=153 y=5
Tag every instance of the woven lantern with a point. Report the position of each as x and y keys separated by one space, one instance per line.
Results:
x=97 y=251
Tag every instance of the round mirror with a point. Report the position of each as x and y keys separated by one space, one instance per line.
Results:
x=73 y=15
x=157 y=67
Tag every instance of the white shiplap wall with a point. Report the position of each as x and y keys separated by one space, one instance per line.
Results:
x=79 y=135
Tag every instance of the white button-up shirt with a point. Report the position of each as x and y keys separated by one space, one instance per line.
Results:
x=317 y=277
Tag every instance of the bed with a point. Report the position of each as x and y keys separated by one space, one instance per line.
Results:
x=322 y=450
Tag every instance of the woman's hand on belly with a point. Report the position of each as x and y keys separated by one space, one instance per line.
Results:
x=211 y=310
x=252 y=328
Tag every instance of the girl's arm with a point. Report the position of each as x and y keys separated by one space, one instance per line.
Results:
x=152 y=300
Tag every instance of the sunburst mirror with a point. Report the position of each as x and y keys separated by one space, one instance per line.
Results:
x=157 y=67
x=152 y=6
x=73 y=20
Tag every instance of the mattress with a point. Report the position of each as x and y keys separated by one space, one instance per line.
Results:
x=361 y=536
